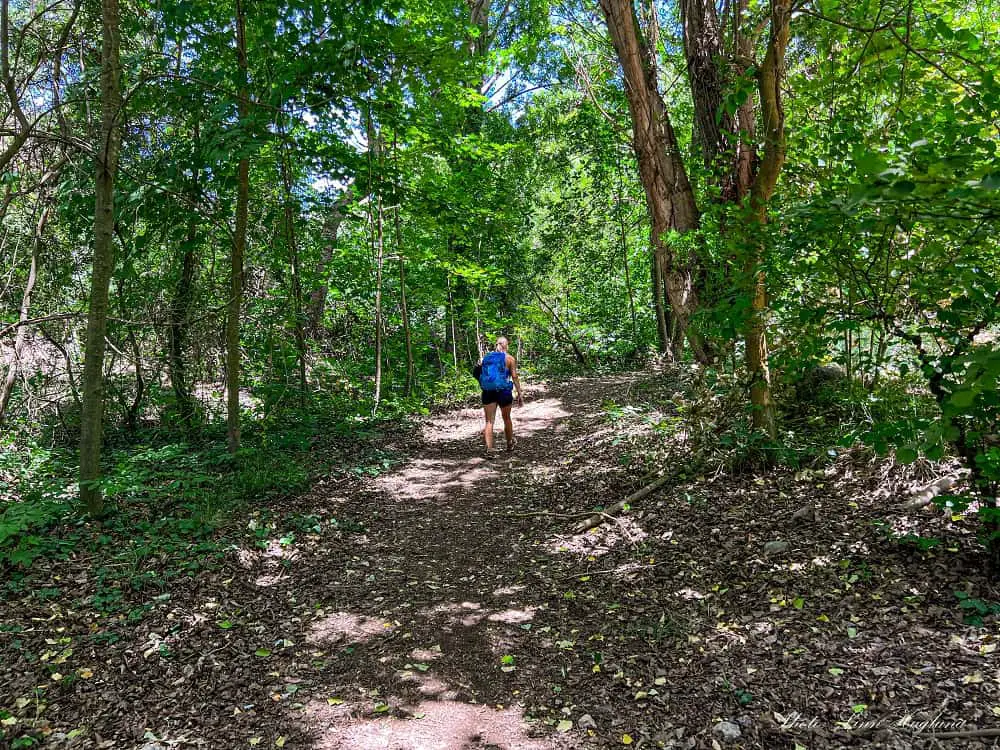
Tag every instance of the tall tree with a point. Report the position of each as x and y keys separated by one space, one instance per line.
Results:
x=670 y=199
x=106 y=150
x=234 y=306
x=769 y=79
x=718 y=71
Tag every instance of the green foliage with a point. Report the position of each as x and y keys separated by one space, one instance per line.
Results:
x=976 y=610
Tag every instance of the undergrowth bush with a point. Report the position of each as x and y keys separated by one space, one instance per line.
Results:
x=162 y=483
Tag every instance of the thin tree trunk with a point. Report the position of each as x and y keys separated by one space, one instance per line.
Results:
x=454 y=337
x=404 y=310
x=879 y=357
x=106 y=150
x=7 y=387
x=656 y=286
x=480 y=336
x=70 y=376
x=180 y=310
x=293 y=249
x=397 y=226
x=580 y=357
x=619 y=198
x=769 y=78
x=378 y=240
x=234 y=307
x=134 y=409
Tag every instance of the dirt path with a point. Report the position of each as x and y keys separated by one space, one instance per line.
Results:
x=442 y=603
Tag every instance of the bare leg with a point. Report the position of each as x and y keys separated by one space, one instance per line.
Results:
x=508 y=426
x=490 y=411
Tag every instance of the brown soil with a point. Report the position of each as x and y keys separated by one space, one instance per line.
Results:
x=446 y=604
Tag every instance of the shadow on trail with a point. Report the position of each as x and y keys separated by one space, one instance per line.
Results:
x=407 y=635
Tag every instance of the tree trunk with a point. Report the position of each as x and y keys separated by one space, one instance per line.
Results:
x=317 y=299
x=404 y=311
x=7 y=388
x=293 y=250
x=620 y=200
x=669 y=197
x=451 y=334
x=180 y=311
x=379 y=249
x=659 y=305
x=134 y=410
x=703 y=51
x=234 y=306
x=769 y=78
x=106 y=150
x=580 y=357
x=376 y=225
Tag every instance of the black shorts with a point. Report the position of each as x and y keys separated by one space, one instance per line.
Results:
x=501 y=398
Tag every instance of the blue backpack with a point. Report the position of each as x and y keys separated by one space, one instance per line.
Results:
x=494 y=376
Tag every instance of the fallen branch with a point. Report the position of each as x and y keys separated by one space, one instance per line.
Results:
x=550 y=514
x=926 y=495
x=598 y=518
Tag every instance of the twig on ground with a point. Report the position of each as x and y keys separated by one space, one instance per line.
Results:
x=550 y=513
x=598 y=518
x=623 y=569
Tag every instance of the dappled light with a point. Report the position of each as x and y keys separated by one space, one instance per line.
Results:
x=513 y=616
x=599 y=541
x=427 y=725
x=723 y=276
x=427 y=479
x=348 y=627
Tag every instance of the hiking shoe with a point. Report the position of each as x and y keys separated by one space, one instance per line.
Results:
x=490 y=455
x=511 y=445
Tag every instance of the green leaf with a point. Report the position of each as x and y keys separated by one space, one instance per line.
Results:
x=962 y=399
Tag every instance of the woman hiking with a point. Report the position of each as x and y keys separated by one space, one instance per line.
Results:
x=498 y=379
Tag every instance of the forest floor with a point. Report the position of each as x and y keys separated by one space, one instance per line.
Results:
x=446 y=603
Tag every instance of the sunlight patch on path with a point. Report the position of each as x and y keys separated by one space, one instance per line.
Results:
x=354 y=628
x=434 y=477
x=467 y=424
x=443 y=725
x=425 y=478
